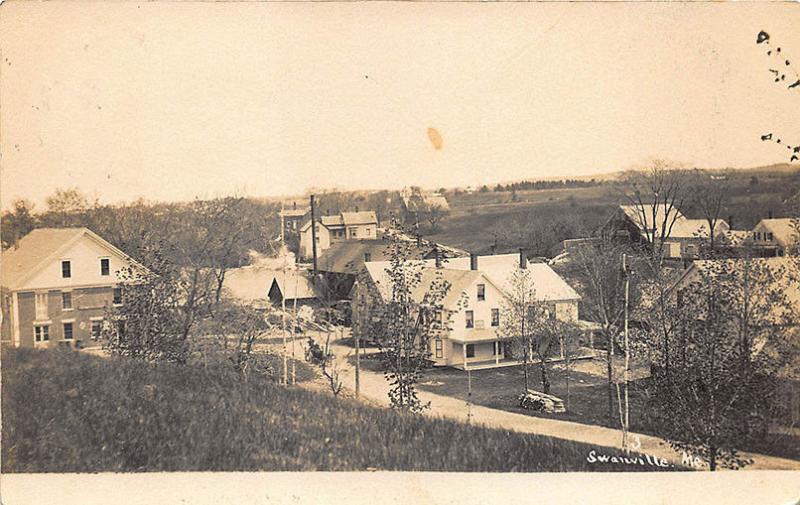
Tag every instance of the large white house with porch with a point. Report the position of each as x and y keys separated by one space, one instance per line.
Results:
x=473 y=303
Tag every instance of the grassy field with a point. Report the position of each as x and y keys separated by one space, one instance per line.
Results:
x=499 y=388
x=71 y=412
x=539 y=220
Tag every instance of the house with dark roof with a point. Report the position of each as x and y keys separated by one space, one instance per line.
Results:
x=358 y=225
x=473 y=303
x=56 y=285
x=646 y=224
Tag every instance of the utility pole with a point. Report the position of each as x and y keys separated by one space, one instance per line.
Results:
x=357 y=338
x=627 y=354
x=283 y=326
x=313 y=241
x=469 y=395
x=294 y=329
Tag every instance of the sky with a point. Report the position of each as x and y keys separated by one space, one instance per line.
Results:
x=170 y=101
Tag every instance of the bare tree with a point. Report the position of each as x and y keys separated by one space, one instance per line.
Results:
x=709 y=197
x=521 y=317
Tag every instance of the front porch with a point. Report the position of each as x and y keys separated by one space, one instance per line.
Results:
x=584 y=354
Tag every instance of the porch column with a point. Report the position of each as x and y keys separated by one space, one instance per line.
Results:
x=561 y=344
x=464 y=352
x=591 y=339
x=496 y=352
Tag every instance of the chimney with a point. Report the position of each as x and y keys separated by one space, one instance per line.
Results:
x=294 y=205
x=523 y=260
x=419 y=240
x=769 y=214
x=473 y=261
x=16 y=242
x=730 y=222
x=438 y=256
x=356 y=208
x=493 y=249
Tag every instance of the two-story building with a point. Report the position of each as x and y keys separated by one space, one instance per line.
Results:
x=358 y=225
x=776 y=237
x=56 y=286
x=473 y=303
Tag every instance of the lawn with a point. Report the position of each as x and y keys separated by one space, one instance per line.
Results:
x=588 y=399
x=66 y=411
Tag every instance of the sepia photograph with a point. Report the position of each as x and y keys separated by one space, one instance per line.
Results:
x=284 y=252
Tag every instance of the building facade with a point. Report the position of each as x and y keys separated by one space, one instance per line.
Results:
x=57 y=287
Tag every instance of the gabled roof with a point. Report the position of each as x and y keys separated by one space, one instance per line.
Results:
x=678 y=225
x=642 y=215
x=295 y=285
x=37 y=248
x=349 y=256
x=549 y=286
x=782 y=230
x=251 y=284
x=307 y=224
x=458 y=280
x=362 y=217
x=695 y=228
x=335 y=220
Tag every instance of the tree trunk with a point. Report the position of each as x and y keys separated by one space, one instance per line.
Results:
x=609 y=372
x=545 y=380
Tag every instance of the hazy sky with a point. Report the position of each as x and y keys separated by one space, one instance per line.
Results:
x=172 y=100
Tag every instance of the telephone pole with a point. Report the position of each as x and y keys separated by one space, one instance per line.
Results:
x=313 y=241
x=627 y=354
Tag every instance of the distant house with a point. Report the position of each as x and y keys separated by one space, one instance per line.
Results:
x=56 y=286
x=416 y=202
x=262 y=286
x=776 y=237
x=293 y=217
x=357 y=225
x=647 y=223
x=293 y=287
x=474 y=302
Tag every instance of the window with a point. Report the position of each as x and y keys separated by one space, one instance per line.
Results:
x=470 y=318
x=41 y=305
x=495 y=317
x=353 y=232
x=117 y=296
x=481 y=292
x=438 y=348
x=769 y=236
x=97 y=329
x=470 y=350
x=105 y=266
x=41 y=333
x=367 y=256
x=66 y=269
x=66 y=300
x=369 y=232
x=67 y=331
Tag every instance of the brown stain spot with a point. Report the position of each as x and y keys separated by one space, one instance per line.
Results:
x=435 y=138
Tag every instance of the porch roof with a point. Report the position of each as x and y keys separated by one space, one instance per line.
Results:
x=477 y=335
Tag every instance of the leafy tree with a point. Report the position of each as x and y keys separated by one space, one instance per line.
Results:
x=161 y=303
x=732 y=319
x=17 y=222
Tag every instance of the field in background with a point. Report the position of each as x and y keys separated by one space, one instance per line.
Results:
x=539 y=220
x=71 y=412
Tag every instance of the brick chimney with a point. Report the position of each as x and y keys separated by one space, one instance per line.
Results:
x=769 y=214
x=356 y=208
x=438 y=257
x=523 y=260
x=730 y=221
x=294 y=205
x=473 y=261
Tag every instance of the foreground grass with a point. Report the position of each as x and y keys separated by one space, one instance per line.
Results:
x=71 y=412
